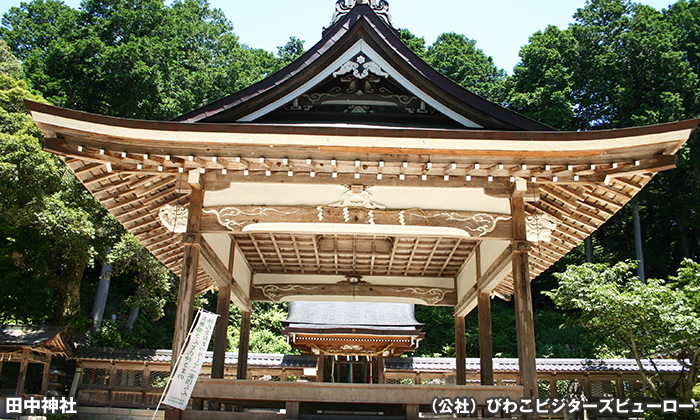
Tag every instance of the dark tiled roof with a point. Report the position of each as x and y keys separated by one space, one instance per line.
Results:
x=420 y=364
x=164 y=356
x=543 y=365
x=56 y=340
x=23 y=336
x=349 y=315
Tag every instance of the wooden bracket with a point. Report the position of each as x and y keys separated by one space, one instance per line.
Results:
x=192 y=239
x=519 y=187
x=521 y=246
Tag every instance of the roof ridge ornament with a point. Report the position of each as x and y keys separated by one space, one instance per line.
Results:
x=380 y=7
x=367 y=68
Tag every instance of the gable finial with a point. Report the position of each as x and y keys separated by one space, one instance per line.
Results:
x=380 y=7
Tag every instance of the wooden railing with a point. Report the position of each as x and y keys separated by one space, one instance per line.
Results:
x=140 y=385
x=399 y=401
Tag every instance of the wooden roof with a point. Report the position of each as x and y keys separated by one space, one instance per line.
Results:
x=135 y=168
x=274 y=159
x=40 y=339
x=361 y=30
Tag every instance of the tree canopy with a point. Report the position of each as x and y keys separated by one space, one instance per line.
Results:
x=658 y=319
x=136 y=59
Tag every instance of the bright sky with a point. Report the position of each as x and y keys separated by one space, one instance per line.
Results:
x=500 y=27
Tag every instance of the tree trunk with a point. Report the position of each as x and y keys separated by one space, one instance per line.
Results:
x=67 y=294
x=98 y=308
x=588 y=246
x=133 y=316
x=682 y=222
x=638 y=249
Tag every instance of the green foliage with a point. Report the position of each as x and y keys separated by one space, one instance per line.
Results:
x=265 y=328
x=137 y=59
x=9 y=65
x=457 y=57
x=589 y=75
x=108 y=335
x=293 y=49
x=542 y=85
x=47 y=233
x=416 y=44
x=154 y=280
x=656 y=319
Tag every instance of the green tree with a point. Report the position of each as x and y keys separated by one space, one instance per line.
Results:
x=543 y=81
x=154 y=281
x=290 y=51
x=47 y=235
x=457 y=57
x=656 y=319
x=52 y=229
x=414 y=43
x=129 y=58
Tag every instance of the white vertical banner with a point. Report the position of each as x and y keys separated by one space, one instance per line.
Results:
x=189 y=363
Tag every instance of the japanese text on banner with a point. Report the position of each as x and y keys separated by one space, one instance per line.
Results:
x=187 y=370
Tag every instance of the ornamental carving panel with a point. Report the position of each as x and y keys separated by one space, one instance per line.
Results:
x=174 y=217
x=539 y=227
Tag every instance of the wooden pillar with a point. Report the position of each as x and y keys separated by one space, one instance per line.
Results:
x=22 y=376
x=45 y=376
x=412 y=412
x=460 y=351
x=524 y=319
x=320 y=367
x=190 y=267
x=485 y=339
x=292 y=409
x=619 y=387
x=381 y=369
x=219 y=358
x=553 y=387
x=222 y=309
x=244 y=339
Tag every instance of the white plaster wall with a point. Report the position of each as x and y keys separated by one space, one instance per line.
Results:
x=241 y=272
x=466 y=279
x=221 y=243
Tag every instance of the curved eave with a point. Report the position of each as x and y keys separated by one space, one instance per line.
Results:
x=581 y=179
x=135 y=136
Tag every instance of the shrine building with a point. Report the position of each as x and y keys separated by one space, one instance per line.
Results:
x=356 y=174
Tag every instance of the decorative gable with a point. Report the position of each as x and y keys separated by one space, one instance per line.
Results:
x=361 y=68
x=361 y=92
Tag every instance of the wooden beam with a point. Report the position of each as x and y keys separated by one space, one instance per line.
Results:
x=460 y=351
x=449 y=257
x=479 y=225
x=466 y=304
x=486 y=283
x=489 y=279
x=485 y=339
x=243 y=343
x=220 y=274
x=194 y=179
x=524 y=318
x=432 y=296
